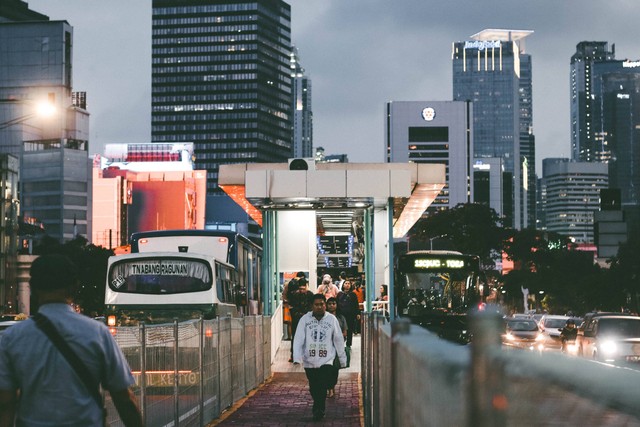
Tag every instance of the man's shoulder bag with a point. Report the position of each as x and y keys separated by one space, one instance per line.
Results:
x=93 y=386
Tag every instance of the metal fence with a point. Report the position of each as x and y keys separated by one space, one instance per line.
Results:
x=410 y=377
x=187 y=373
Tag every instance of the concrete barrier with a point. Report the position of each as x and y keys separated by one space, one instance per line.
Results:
x=410 y=377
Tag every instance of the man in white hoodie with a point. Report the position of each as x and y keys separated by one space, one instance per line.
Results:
x=317 y=342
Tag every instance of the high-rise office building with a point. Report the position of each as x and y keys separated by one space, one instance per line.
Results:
x=584 y=144
x=302 y=112
x=221 y=79
x=606 y=119
x=435 y=132
x=616 y=90
x=572 y=196
x=35 y=75
x=493 y=72
x=49 y=150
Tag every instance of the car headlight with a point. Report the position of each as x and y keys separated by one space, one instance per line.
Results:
x=510 y=337
x=608 y=347
x=540 y=337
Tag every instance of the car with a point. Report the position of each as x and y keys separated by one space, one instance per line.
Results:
x=522 y=333
x=455 y=328
x=612 y=339
x=550 y=326
x=587 y=323
x=537 y=316
x=520 y=316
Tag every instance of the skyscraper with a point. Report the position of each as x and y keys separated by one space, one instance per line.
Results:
x=435 y=132
x=221 y=79
x=584 y=145
x=302 y=112
x=36 y=72
x=48 y=154
x=493 y=71
x=572 y=196
x=606 y=119
x=616 y=90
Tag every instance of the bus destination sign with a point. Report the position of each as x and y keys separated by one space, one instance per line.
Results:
x=436 y=263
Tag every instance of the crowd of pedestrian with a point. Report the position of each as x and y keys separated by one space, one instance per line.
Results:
x=321 y=327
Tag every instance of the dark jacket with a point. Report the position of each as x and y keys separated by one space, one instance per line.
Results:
x=568 y=334
x=300 y=303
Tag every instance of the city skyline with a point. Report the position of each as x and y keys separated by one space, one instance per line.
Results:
x=358 y=54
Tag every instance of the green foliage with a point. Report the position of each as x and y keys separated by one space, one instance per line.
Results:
x=91 y=261
x=625 y=273
x=563 y=278
x=471 y=228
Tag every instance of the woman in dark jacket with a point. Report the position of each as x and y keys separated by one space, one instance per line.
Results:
x=348 y=306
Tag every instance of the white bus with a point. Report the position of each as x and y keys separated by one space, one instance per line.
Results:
x=229 y=246
x=157 y=287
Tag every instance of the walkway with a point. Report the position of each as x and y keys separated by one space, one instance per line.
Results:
x=284 y=400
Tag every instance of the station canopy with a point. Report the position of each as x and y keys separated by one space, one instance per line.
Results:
x=337 y=191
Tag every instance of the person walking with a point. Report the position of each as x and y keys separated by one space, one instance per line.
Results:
x=328 y=288
x=40 y=383
x=341 y=279
x=318 y=340
x=289 y=289
x=332 y=307
x=300 y=302
x=360 y=295
x=349 y=308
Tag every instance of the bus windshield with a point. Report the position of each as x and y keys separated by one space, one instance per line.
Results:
x=167 y=275
x=432 y=282
x=433 y=290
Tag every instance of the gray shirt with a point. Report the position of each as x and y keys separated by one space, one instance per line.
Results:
x=51 y=393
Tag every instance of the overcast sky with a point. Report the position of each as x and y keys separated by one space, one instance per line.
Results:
x=359 y=55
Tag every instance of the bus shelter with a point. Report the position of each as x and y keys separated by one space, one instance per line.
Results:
x=295 y=202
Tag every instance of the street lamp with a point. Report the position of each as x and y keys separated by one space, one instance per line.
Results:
x=44 y=108
x=431 y=239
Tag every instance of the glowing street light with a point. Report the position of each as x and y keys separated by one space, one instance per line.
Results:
x=43 y=109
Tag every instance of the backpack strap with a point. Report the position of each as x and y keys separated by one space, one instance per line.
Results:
x=81 y=370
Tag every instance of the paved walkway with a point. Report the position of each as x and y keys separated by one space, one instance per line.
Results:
x=284 y=400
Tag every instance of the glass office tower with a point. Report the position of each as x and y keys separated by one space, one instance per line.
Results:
x=584 y=146
x=221 y=79
x=302 y=112
x=494 y=73
x=616 y=92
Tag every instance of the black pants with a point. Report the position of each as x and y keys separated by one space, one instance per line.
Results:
x=351 y=326
x=319 y=382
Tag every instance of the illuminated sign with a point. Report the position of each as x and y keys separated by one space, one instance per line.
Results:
x=482 y=44
x=167 y=378
x=631 y=64
x=179 y=269
x=432 y=263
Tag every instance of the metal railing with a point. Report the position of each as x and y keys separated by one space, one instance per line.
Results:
x=410 y=377
x=187 y=373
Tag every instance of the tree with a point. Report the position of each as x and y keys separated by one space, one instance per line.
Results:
x=625 y=272
x=91 y=261
x=472 y=228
